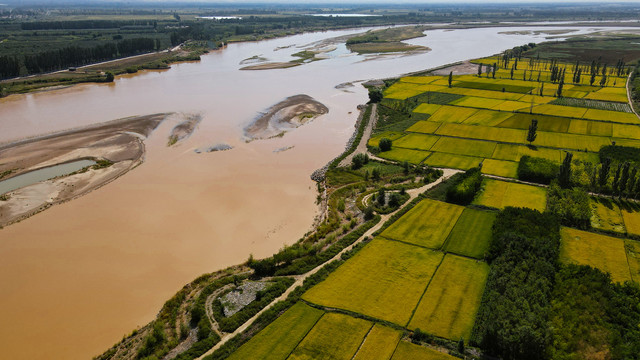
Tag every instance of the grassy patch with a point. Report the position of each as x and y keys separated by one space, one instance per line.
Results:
x=448 y=307
x=383 y=280
x=599 y=251
x=335 y=336
x=631 y=217
x=633 y=257
x=471 y=235
x=427 y=224
x=606 y=215
x=545 y=123
x=500 y=194
x=380 y=343
x=278 y=339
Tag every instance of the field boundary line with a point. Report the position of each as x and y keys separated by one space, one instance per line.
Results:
x=363 y=340
x=408 y=243
x=305 y=336
x=446 y=241
x=413 y=313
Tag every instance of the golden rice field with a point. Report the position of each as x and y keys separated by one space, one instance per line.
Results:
x=428 y=224
x=335 y=336
x=380 y=343
x=631 y=218
x=500 y=194
x=500 y=168
x=401 y=155
x=384 y=280
x=278 y=339
x=452 y=161
x=599 y=251
x=409 y=351
x=448 y=307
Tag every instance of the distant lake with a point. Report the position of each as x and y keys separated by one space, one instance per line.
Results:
x=343 y=15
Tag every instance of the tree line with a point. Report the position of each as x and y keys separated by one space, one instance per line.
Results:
x=51 y=60
x=84 y=24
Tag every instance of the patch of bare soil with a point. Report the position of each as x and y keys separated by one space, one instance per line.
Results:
x=464 y=68
x=119 y=142
x=184 y=129
x=286 y=115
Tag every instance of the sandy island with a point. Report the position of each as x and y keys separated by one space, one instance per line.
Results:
x=119 y=141
x=288 y=114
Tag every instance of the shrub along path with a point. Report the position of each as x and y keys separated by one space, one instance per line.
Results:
x=413 y=193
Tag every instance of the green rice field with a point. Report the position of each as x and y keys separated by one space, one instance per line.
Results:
x=448 y=307
x=472 y=233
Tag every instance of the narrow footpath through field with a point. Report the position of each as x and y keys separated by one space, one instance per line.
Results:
x=413 y=193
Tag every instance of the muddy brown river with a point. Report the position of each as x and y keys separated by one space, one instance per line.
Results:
x=80 y=275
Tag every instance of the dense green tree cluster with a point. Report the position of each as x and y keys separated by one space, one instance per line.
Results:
x=76 y=55
x=571 y=206
x=466 y=187
x=537 y=170
x=85 y=24
x=594 y=318
x=513 y=319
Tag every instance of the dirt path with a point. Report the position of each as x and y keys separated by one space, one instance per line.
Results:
x=413 y=193
x=362 y=146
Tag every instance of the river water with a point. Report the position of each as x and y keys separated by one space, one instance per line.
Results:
x=78 y=276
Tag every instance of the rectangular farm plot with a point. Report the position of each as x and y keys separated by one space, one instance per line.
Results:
x=416 y=141
x=426 y=108
x=500 y=194
x=427 y=224
x=452 y=161
x=380 y=343
x=391 y=135
x=384 y=280
x=408 y=155
x=596 y=128
x=607 y=115
x=452 y=114
x=559 y=110
x=545 y=123
x=487 y=118
x=500 y=168
x=606 y=215
x=448 y=307
x=626 y=131
x=409 y=351
x=512 y=152
x=633 y=257
x=631 y=217
x=477 y=102
x=599 y=251
x=472 y=233
x=571 y=141
x=483 y=132
x=278 y=339
x=511 y=106
x=335 y=336
x=425 y=127
x=467 y=147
